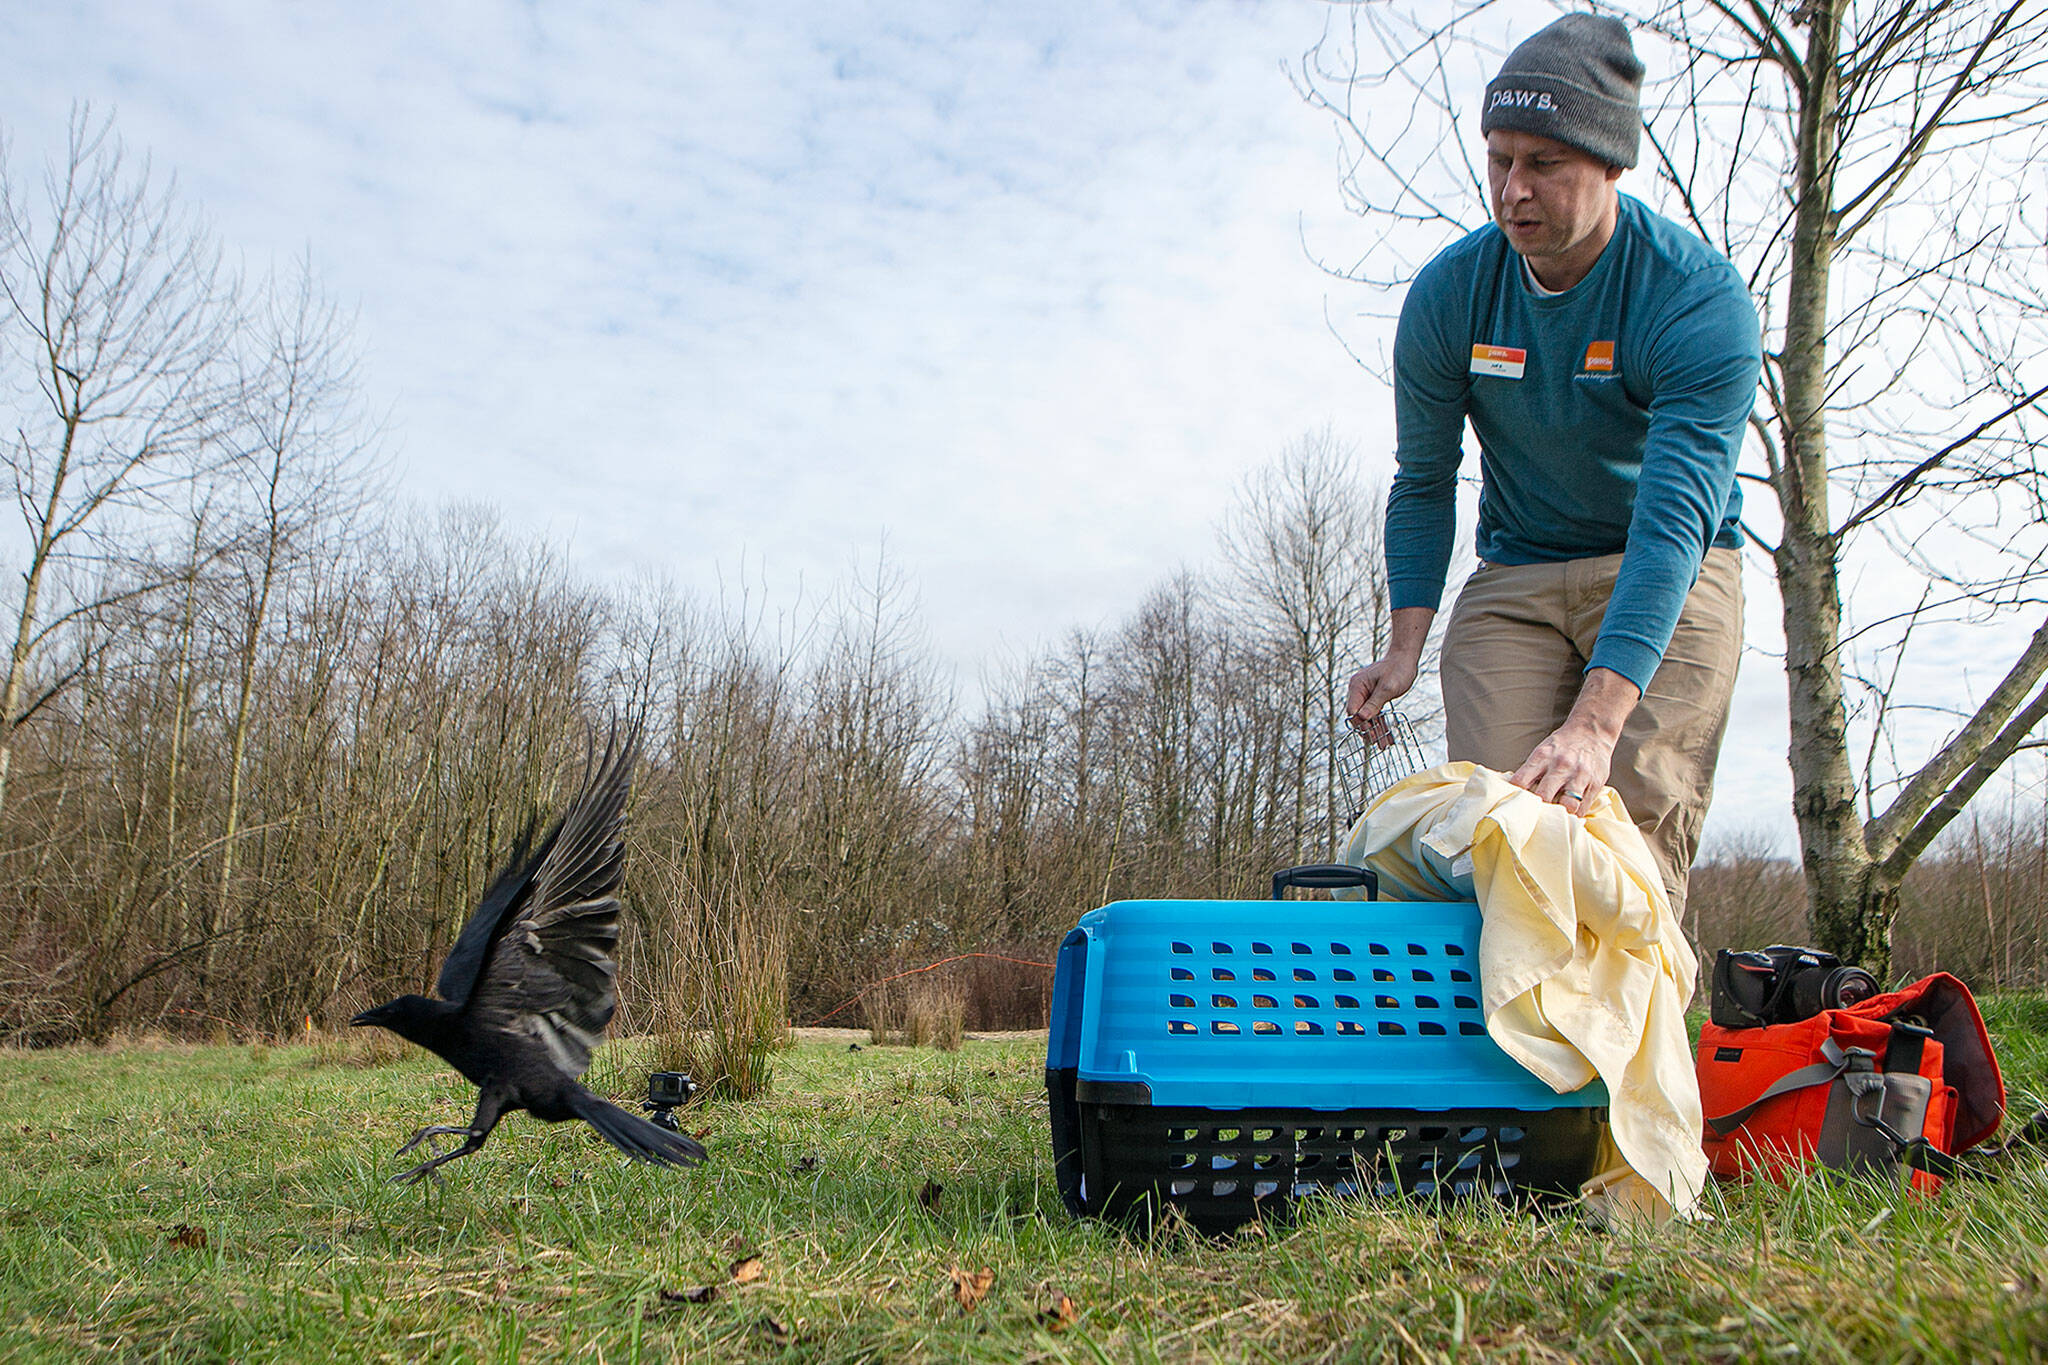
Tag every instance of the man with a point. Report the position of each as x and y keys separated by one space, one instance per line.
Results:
x=1607 y=361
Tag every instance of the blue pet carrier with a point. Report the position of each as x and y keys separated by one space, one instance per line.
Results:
x=1229 y=1057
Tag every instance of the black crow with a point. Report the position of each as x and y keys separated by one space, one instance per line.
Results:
x=527 y=989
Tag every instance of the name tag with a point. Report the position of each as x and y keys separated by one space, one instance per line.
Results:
x=1503 y=362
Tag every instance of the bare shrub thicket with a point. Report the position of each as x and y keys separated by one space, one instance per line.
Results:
x=1743 y=894
x=284 y=777
x=1977 y=905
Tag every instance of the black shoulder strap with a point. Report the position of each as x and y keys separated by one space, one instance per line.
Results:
x=1908 y=1043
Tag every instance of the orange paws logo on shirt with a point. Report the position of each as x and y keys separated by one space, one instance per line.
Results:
x=1599 y=358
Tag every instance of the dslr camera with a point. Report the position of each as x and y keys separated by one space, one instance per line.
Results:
x=1782 y=984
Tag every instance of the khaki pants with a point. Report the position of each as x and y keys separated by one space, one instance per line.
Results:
x=1514 y=653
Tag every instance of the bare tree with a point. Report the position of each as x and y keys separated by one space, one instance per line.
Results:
x=297 y=473
x=1873 y=169
x=1044 y=801
x=871 y=730
x=116 y=318
x=1009 y=766
x=1303 y=543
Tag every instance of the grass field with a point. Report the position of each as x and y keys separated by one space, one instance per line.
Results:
x=229 y=1203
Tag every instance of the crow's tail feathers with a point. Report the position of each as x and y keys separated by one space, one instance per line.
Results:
x=636 y=1137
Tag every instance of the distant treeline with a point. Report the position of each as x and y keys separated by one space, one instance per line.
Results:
x=262 y=738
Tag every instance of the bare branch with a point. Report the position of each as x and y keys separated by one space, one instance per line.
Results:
x=1938 y=792
x=1857 y=210
x=1901 y=487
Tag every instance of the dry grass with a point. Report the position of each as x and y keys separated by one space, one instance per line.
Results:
x=923 y=1012
x=937 y=1015
x=744 y=1004
x=720 y=999
x=881 y=1011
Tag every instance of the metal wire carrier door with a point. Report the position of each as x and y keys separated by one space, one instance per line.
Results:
x=1373 y=759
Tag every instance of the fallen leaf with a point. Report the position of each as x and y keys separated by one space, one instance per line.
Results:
x=1058 y=1315
x=702 y=1133
x=185 y=1235
x=971 y=1289
x=804 y=1166
x=773 y=1328
x=745 y=1270
x=928 y=1197
x=703 y=1293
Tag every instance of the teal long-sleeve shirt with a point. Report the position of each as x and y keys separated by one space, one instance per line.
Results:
x=1609 y=418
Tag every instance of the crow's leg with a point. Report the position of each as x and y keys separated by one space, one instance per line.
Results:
x=490 y=1107
x=431 y=1131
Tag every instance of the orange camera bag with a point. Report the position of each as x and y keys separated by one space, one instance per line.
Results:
x=1905 y=1078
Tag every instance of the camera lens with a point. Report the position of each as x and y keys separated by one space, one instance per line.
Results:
x=1813 y=989
x=1847 y=986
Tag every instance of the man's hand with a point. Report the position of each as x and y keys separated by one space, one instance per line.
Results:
x=1390 y=677
x=1571 y=767
x=1372 y=687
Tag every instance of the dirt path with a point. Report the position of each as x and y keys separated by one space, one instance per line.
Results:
x=860 y=1035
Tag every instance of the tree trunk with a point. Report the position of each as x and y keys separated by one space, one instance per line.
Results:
x=12 y=695
x=238 y=740
x=1846 y=902
x=17 y=674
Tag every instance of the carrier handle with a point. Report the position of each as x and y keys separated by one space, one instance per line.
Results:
x=1324 y=877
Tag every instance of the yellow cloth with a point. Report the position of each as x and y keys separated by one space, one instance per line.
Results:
x=1582 y=967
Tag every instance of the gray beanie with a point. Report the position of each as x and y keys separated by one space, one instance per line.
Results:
x=1577 y=81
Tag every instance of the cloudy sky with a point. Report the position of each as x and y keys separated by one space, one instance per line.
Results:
x=727 y=291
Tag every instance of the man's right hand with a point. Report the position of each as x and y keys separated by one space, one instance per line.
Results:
x=1373 y=686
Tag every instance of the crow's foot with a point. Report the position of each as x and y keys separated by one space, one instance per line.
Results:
x=424 y=1171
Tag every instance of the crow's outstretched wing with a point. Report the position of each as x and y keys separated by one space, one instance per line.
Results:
x=466 y=958
x=546 y=967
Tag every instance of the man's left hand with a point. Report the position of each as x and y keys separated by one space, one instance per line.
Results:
x=1570 y=768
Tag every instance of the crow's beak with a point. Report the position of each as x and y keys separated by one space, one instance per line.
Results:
x=361 y=1019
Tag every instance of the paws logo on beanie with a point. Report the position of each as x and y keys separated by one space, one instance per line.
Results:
x=1577 y=81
